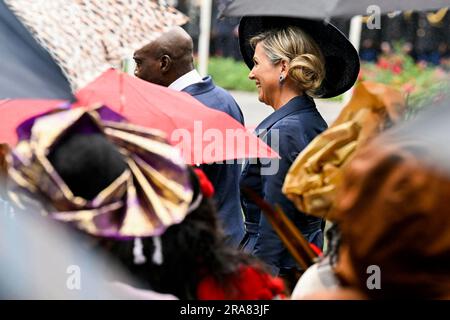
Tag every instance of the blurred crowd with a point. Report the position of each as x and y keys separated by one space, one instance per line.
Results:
x=422 y=35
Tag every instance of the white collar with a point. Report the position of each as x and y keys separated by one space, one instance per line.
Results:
x=186 y=80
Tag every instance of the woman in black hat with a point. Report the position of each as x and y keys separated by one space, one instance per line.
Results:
x=291 y=61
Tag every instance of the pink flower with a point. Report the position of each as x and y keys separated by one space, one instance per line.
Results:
x=408 y=87
x=383 y=63
x=397 y=69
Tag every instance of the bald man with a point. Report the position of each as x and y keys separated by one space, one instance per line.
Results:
x=168 y=61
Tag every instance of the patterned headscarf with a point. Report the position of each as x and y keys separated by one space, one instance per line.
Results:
x=153 y=193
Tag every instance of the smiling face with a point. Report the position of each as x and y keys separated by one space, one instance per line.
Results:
x=266 y=76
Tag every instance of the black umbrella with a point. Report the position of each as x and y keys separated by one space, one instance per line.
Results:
x=325 y=9
x=27 y=70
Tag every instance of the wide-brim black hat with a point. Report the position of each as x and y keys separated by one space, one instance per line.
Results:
x=341 y=58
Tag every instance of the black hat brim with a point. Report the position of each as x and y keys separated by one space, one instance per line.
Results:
x=341 y=58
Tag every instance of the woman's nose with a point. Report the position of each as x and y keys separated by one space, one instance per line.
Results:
x=251 y=75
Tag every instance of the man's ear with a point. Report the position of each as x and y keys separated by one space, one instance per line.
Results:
x=165 y=63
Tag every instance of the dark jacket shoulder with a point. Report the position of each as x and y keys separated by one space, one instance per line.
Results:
x=215 y=97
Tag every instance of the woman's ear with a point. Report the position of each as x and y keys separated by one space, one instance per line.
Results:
x=284 y=67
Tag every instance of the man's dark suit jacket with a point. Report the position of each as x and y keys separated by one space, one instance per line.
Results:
x=224 y=177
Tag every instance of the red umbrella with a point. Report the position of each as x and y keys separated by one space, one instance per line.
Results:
x=14 y=112
x=204 y=135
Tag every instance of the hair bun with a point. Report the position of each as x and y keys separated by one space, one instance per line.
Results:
x=308 y=71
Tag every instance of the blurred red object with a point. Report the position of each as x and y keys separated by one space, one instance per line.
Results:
x=203 y=134
x=14 y=111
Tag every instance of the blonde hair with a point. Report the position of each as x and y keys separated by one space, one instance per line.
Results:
x=306 y=61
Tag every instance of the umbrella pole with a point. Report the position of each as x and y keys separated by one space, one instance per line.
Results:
x=203 y=43
x=355 y=39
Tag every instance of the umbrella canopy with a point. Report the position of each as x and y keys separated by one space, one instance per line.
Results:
x=27 y=70
x=203 y=134
x=14 y=112
x=325 y=9
x=86 y=37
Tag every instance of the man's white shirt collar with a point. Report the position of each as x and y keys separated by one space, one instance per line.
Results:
x=186 y=80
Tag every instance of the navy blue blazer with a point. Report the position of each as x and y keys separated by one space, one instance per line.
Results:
x=288 y=131
x=224 y=177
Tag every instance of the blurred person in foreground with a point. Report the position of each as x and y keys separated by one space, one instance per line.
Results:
x=392 y=214
x=129 y=193
x=168 y=61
